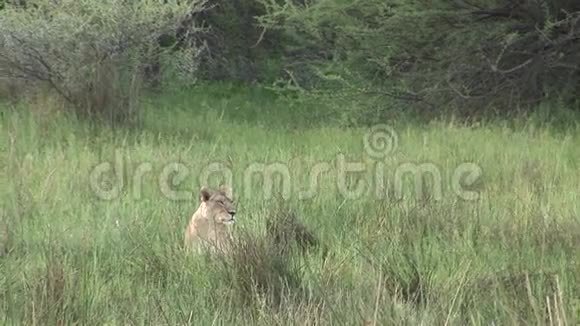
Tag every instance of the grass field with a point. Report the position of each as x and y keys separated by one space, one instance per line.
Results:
x=76 y=253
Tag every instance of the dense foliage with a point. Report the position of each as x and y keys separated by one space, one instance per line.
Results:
x=467 y=55
x=471 y=57
x=94 y=55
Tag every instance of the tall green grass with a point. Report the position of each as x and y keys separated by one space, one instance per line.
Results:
x=509 y=257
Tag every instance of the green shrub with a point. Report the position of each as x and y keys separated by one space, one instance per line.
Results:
x=434 y=56
x=91 y=53
x=239 y=49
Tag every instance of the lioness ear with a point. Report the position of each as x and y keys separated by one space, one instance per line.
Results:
x=226 y=190
x=205 y=193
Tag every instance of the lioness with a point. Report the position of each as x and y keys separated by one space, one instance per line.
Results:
x=210 y=224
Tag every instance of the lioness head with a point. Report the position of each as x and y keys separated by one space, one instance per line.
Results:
x=219 y=205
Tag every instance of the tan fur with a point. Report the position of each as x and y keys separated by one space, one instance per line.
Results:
x=210 y=225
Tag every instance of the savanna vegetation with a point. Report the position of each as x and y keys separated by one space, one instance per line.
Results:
x=165 y=90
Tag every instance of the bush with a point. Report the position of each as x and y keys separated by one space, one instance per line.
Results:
x=238 y=48
x=472 y=56
x=91 y=53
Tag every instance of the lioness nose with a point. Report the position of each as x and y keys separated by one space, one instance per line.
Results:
x=232 y=213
